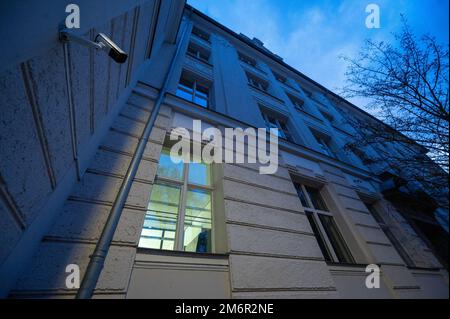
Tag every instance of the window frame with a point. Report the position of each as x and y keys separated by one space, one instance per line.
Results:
x=322 y=235
x=390 y=235
x=280 y=124
x=298 y=103
x=184 y=185
x=258 y=83
x=198 y=53
x=199 y=33
x=280 y=78
x=324 y=143
x=194 y=90
x=248 y=60
x=330 y=118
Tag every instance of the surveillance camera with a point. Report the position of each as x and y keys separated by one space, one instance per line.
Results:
x=113 y=50
x=102 y=42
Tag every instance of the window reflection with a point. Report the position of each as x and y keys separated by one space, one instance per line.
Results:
x=199 y=174
x=179 y=215
x=167 y=168
x=161 y=218
x=197 y=222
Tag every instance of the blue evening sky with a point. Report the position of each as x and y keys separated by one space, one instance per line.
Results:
x=311 y=35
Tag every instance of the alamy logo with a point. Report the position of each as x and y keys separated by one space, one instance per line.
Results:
x=73 y=279
x=373 y=279
x=373 y=19
x=262 y=146
x=73 y=19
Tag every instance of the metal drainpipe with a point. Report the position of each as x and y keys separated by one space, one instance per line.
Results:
x=72 y=115
x=97 y=260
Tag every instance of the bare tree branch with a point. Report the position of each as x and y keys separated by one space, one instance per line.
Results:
x=408 y=85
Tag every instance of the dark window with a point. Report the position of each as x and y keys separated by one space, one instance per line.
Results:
x=301 y=195
x=324 y=143
x=247 y=60
x=330 y=240
x=328 y=116
x=316 y=199
x=193 y=90
x=437 y=239
x=200 y=33
x=273 y=122
x=257 y=83
x=280 y=78
x=318 y=235
x=308 y=93
x=297 y=102
x=198 y=53
x=387 y=231
x=338 y=243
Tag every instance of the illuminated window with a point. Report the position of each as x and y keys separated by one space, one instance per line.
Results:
x=179 y=215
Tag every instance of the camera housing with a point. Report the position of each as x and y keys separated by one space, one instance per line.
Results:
x=102 y=42
x=116 y=53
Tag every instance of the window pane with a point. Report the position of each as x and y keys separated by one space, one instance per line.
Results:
x=401 y=251
x=199 y=174
x=197 y=222
x=192 y=50
x=201 y=100
x=204 y=56
x=318 y=236
x=316 y=199
x=202 y=91
x=187 y=84
x=167 y=168
x=375 y=214
x=184 y=94
x=325 y=147
x=398 y=246
x=161 y=218
x=301 y=195
x=201 y=34
x=337 y=241
x=286 y=133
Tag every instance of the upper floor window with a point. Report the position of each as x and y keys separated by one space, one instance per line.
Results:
x=198 y=52
x=315 y=97
x=193 y=90
x=328 y=116
x=257 y=82
x=329 y=238
x=308 y=93
x=387 y=231
x=280 y=78
x=325 y=144
x=273 y=122
x=179 y=215
x=297 y=102
x=248 y=60
x=201 y=34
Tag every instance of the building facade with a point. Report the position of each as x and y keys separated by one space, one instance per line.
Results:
x=192 y=230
